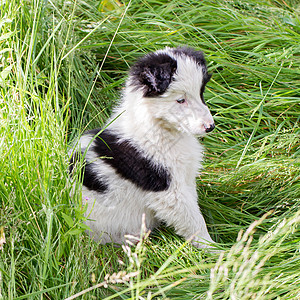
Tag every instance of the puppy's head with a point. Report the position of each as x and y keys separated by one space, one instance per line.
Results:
x=172 y=83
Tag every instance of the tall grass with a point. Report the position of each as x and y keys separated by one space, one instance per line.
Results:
x=63 y=64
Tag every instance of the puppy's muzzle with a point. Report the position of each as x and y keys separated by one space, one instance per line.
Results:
x=209 y=128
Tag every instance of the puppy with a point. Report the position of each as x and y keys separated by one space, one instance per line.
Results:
x=147 y=157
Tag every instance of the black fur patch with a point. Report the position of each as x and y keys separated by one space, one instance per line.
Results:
x=205 y=81
x=153 y=73
x=90 y=178
x=197 y=56
x=130 y=162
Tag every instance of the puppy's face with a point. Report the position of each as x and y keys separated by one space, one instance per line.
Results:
x=173 y=82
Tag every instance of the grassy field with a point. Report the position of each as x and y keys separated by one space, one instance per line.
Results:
x=62 y=66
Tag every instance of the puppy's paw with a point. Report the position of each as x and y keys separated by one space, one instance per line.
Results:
x=209 y=245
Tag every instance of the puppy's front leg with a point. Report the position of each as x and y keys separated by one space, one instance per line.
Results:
x=183 y=213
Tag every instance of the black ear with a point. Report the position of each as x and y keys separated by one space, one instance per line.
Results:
x=153 y=73
x=206 y=77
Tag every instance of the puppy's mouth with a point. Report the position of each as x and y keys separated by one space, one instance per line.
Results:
x=182 y=127
x=203 y=130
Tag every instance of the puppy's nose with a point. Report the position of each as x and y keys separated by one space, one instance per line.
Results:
x=210 y=128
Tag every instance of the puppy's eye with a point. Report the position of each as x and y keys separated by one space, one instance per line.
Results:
x=180 y=101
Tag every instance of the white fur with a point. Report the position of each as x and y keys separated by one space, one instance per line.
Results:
x=165 y=130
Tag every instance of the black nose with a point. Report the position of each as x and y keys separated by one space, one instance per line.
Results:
x=210 y=128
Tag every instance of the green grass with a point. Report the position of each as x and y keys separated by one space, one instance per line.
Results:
x=62 y=66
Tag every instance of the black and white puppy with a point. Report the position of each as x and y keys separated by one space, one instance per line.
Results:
x=147 y=159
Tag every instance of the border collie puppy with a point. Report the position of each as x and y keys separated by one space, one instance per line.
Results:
x=147 y=158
